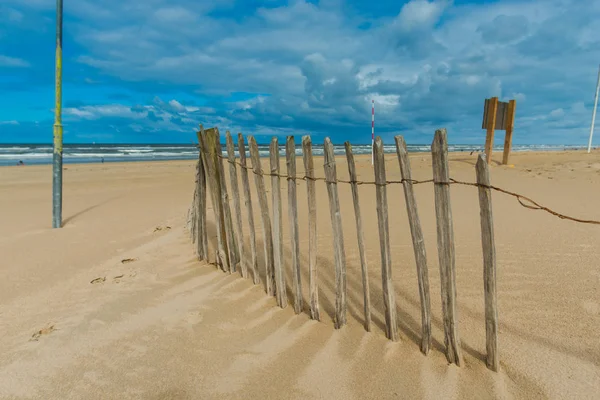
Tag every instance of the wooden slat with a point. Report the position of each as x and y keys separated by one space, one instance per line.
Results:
x=338 y=236
x=445 y=242
x=418 y=243
x=235 y=194
x=510 y=122
x=309 y=169
x=489 y=137
x=209 y=147
x=231 y=242
x=389 y=295
x=360 y=236
x=202 y=237
x=249 y=209
x=192 y=219
x=280 y=289
x=489 y=263
x=290 y=157
x=264 y=215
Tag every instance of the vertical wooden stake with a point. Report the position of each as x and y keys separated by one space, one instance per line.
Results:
x=202 y=237
x=418 y=243
x=309 y=169
x=338 y=236
x=235 y=194
x=290 y=156
x=280 y=289
x=510 y=122
x=445 y=242
x=489 y=263
x=248 y=200
x=264 y=215
x=210 y=150
x=192 y=218
x=231 y=242
x=489 y=138
x=389 y=295
x=360 y=236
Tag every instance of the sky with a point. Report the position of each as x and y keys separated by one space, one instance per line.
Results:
x=150 y=71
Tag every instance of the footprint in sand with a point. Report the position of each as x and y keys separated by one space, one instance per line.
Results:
x=162 y=228
x=591 y=307
x=102 y=279
x=128 y=260
x=46 y=331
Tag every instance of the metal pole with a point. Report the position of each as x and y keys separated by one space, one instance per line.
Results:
x=594 y=112
x=57 y=158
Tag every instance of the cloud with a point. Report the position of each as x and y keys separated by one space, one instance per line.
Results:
x=6 y=61
x=307 y=66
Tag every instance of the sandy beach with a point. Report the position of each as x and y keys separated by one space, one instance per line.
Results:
x=116 y=306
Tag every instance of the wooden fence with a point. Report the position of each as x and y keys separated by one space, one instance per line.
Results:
x=230 y=250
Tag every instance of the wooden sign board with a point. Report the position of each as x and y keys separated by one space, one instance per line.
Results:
x=501 y=115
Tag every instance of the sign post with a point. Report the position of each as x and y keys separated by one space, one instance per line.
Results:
x=498 y=115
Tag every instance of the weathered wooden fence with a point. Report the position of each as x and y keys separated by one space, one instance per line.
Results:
x=230 y=250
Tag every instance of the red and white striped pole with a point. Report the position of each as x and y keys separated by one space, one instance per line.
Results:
x=372 y=130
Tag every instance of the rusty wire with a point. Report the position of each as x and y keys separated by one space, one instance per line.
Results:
x=523 y=200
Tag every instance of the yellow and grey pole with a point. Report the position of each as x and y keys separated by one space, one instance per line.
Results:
x=57 y=158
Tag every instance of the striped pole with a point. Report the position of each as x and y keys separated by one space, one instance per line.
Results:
x=372 y=130
x=57 y=158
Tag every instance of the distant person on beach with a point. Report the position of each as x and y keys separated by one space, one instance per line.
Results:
x=20 y=162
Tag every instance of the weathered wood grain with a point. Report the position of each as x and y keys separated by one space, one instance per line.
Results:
x=209 y=147
x=309 y=169
x=280 y=288
x=249 y=209
x=201 y=236
x=418 y=243
x=360 y=236
x=445 y=242
x=489 y=137
x=235 y=194
x=489 y=263
x=231 y=242
x=389 y=295
x=338 y=236
x=510 y=123
x=264 y=215
x=290 y=157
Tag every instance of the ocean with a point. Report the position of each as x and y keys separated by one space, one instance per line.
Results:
x=11 y=154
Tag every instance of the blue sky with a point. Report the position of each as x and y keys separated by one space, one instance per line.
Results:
x=151 y=70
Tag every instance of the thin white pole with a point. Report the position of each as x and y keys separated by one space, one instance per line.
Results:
x=372 y=131
x=594 y=112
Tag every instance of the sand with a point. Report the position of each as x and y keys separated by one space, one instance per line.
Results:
x=167 y=326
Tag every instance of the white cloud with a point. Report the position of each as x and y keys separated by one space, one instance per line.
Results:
x=6 y=61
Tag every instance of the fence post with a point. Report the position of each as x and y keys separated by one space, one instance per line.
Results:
x=338 y=236
x=360 y=236
x=290 y=156
x=445 y=242
x=191 y=217
x=418 y=243
x=489 y=263
x=231 y=243
x=389 y=296
x=201 y=236
x=280 y=289
x=248 y=200
x=235 y=193
x=309 y=169
x=209 y=148
x=264 y=214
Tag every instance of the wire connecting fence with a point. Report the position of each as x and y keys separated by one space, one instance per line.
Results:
x=228 y=218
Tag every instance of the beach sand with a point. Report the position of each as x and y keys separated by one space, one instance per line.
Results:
x=166 y=326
